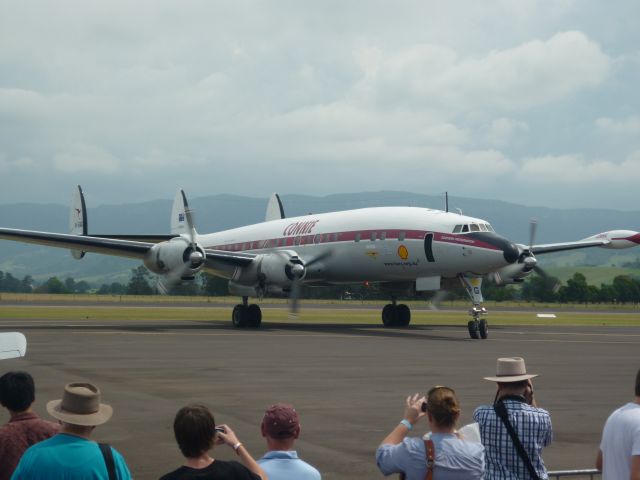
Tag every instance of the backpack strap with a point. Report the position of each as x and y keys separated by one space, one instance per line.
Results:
x=431 y=458
x=105 y=449
x=501 y=412
x=430 y=453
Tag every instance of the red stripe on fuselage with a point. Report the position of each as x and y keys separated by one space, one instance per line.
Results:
x=350 y=236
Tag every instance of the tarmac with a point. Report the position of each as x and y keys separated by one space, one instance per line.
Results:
x=348 y=382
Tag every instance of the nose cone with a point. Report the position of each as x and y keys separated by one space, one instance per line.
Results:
x=510 y=252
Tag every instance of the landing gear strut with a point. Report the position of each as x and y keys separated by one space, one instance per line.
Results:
x=245 y=315
x=478 y=326
x=394 y=315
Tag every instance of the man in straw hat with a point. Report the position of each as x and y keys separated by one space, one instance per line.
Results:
x=514 y=430
x=71 y=454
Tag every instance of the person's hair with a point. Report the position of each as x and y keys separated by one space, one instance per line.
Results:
x=443 y=406
x=17 y=391
x=638 y=384
x=519 y=384
x=194 y=429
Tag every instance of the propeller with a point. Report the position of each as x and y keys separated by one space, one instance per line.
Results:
x=437 y=299
x=530 y=261
x=196 y=257
x=193 y=258
x=526 y=255
x=298 y=271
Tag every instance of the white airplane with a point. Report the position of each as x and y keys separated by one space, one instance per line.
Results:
x=403 y=249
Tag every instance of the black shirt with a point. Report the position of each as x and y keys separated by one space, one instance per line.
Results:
x=218 y=470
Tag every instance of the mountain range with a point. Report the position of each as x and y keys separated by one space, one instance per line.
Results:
x=219 y=212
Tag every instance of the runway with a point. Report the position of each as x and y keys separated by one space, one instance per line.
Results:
x=348 y=382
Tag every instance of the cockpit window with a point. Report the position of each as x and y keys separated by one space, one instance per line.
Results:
x=465 y=228
x=457 y=229
x=474 y=227
x=490 y=228
x=483 y=227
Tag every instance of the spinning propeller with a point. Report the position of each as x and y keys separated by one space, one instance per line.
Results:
x=298 y=270
x=192 y=258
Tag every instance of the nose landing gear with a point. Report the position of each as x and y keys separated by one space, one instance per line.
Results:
x=478 y=326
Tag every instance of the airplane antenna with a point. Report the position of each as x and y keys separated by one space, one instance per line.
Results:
x=446 y=202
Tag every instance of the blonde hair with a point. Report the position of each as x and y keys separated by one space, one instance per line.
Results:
x=443 y=406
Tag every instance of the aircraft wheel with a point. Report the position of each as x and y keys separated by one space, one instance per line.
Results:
x=483 y=329
x=239 y=316
x=403 y=315
x=473 y=329
x=389 y=315
x=254 y=316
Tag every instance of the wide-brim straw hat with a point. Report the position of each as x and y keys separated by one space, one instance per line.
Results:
x=511 y=369
x=80 y=405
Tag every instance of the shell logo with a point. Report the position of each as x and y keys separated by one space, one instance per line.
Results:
x=403 y=253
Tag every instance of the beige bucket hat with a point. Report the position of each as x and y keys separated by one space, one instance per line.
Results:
x=80 y=405
x=511 y=369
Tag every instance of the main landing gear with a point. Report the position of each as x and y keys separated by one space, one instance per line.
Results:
x=245 y=315
x=394 y=315
x=478 y=326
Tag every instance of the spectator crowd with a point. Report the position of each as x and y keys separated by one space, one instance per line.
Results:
x=504 y=442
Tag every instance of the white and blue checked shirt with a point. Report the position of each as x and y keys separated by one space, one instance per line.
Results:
x=533 y=426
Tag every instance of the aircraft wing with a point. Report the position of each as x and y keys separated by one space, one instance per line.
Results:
x=108 y=246
x=559 y=247
x=240 y=259
x=117 y=245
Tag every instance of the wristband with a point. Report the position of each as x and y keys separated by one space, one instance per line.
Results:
x=236 y=447
x=406 y=423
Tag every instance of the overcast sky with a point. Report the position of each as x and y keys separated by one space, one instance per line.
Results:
x=533 y=102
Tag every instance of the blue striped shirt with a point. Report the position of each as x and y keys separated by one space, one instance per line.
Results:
x=533 y=426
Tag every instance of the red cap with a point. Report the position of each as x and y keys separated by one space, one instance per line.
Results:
x=280 y=421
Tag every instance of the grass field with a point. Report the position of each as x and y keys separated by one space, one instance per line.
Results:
x=342 y=312
x=594 y=275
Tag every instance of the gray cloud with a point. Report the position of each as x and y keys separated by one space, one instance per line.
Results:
x=134 y=100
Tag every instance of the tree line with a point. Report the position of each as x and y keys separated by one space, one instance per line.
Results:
x=623 y=288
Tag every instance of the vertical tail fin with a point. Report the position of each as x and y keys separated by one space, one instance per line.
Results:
x=275 y=211
x=78 y=218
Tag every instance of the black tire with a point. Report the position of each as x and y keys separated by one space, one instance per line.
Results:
x=389 y=315
x=473 y=329
x=403 y=315
x=254 y=316
x=483 y=329
x=239 y=316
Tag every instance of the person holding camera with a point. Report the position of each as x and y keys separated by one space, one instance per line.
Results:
x=196 y=433
x=514 y=430
x=443 y=454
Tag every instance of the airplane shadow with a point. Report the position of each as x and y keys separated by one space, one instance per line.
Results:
x=425 y=332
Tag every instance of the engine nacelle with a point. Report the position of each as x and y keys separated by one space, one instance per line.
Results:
x=514 y=273
x=618 y=238
x=175 y=257
x=271 y=273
